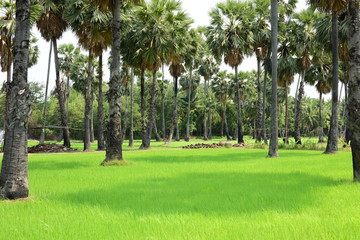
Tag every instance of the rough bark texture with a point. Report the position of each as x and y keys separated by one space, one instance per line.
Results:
x=175 y=115
x=332 y=144
x=151 y=115
x=298 y=111
x=286 y=114
x=100 y=113
x=187 y=136
x=14 y=171
x=321 y=128
x=114 y=138
x=92 y=134
x=210 y=124
x=205 y=111
x=142 y=109
x=354 y=85
x=87 y=112
x=61 y=98
x=240 y=136
x=263 y=124
x=163 y=105
x=42 y=135
x=258 y=124
x=131 y=133
x=273 y=147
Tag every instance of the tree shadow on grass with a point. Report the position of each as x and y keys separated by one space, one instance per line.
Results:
x=199 y=156
x=210 y=193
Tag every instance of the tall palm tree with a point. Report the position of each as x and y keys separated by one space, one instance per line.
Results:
x=230 y=36
x=354 y=84
x=14 y=169
x=51 y=26
x=93 y=29
x=261 y=43
x=114 y=139
x=220 y=87
x=319 y=75
x=273 y=147
x=303 y=34
x=335 y=7
x=191 y=61
x=208 y=67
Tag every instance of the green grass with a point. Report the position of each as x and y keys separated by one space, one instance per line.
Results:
x=187 y=194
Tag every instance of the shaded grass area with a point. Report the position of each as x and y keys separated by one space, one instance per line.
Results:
x=187 y=194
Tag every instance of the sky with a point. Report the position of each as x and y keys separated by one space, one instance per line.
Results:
x=197 y=9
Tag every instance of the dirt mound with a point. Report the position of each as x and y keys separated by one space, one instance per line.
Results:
x=203 y=145
x=49 y=148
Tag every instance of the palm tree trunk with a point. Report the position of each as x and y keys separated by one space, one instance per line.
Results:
x=156 y=132
x=87 y=113
x=286 y=114
x=298 y=111
x=142 y=109
x=226 y=124
x=205 y=111
x=92 y=134
x=61 y=98
x=42 y=135
x=100 y=113
x=240 y=136
x=14 y=170
x=125 y=113
x=151 y=112
x=346 y=115
x=321 y=128
x=187 y=137
x=174 y=120
x=354 y=85
x=258 y=128
x=114 y=139
x=163 y=105
x=263 y=125
x=273 y=147
x=131 y=134
x=210 y=123
x=332 y=144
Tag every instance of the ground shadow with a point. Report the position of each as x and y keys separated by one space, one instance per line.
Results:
x=214 y=193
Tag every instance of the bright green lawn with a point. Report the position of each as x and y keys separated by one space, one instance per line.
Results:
x=187 y=194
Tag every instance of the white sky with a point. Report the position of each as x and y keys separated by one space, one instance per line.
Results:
x=197 y=9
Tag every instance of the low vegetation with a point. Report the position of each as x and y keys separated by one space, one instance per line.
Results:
x=187 y=194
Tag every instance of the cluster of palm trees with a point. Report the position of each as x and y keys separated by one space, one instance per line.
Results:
x=146 y=36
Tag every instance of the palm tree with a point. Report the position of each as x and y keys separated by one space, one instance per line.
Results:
x=14 y=169
x=354 y=84
x=303 y=36
x=261 y=43
x=51 y=26
x=208 y=67
x=273 y=147
x=191 y=61
x=335 y=7
x=114 y=140
x=230 y=36
x=319 y=75
x=93 y=29
x=220 y=87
